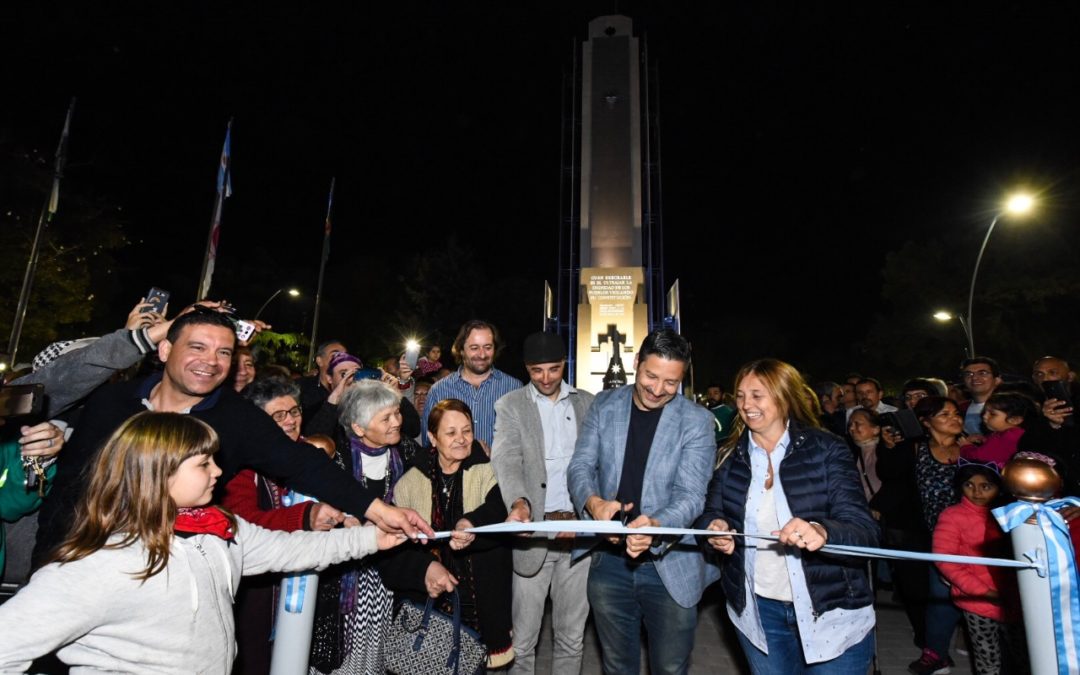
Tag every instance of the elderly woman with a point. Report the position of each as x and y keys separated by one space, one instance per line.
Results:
x=455 y=488
x=779 y=473
x=258 y=500
x=353 y=607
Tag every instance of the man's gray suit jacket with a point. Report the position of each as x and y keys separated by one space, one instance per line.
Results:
x=517 y=455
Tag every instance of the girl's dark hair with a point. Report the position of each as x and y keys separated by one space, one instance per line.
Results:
x=966 y=471
x=1014 y=404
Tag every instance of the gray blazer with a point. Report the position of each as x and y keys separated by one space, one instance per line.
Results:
x=517 y=455
x=677 y=475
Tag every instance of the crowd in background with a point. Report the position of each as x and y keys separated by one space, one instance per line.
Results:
x=428 y=445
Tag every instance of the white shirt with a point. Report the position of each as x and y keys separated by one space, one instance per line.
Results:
x=824 y=636
x=881 y=408
x=559 y=424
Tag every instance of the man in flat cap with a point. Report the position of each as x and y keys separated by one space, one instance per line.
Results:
x=536 y=428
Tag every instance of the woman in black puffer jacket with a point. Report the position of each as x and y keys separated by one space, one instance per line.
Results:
x=780 y=473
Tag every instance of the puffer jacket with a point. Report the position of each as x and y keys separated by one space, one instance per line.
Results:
x=822 y=485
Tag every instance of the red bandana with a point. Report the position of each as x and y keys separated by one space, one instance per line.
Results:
x=203 y=521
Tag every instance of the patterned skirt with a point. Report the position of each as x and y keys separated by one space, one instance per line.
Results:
x=351 y=644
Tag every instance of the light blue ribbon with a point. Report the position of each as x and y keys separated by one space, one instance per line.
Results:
x=1061 y=562
x=295 y=584
x=604 y=528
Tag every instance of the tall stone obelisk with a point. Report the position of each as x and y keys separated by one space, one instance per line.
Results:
x=612 y=314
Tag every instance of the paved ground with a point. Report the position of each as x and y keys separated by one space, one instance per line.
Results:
x=716 y=649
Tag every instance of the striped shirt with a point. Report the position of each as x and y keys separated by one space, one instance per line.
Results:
x=481 y=401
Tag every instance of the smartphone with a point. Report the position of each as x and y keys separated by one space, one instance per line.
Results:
x=20 y=400
x=158 y=297
x=412 y=353
x=244 y=330
x=1057 y=389
x=902 y=421
x=367 y=374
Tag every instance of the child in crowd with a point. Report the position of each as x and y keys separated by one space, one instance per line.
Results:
x=145 y=579
x=429 y=363
x=986 y=595
x=1004 y=415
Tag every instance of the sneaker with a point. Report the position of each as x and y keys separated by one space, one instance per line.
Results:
x=930 y=664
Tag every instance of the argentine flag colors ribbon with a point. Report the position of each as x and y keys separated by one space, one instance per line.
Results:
x=294 y=585
x=1061 y=567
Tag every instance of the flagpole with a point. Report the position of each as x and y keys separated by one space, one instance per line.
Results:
x=224 y=189
x=44 y=219
x=322 y=270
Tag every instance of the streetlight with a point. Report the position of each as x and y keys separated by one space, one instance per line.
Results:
x=1017 y=204
x=292 y=293
x=944 y=316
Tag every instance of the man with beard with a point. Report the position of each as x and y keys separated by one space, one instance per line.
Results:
x=477 y=383
x=643 y=456
x=535 y=430
x=197 y=353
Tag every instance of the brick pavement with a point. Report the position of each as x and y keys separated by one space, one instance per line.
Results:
x=716 y=650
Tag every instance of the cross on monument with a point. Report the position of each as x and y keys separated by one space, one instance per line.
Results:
x=615 y=376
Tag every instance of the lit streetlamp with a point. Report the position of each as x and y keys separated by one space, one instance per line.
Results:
x=1018 y=204
x=292 y=293
x=944 y=316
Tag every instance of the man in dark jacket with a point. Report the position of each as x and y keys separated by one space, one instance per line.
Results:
x=197 y=354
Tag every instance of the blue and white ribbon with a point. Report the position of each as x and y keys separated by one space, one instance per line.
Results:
x=1064 y=594
x=294 y=585
x=605 y=528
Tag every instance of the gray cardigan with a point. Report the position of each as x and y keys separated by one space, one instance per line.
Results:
x=177 y=621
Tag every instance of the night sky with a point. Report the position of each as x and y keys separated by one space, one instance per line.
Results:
x=800 y=145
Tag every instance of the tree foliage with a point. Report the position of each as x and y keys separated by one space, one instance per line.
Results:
x=1024 y=301
x=76 y=254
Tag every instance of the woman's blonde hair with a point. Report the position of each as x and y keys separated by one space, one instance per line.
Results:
x=128 y=489
x=794 y=398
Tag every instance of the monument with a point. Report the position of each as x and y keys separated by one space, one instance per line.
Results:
x=610 y=290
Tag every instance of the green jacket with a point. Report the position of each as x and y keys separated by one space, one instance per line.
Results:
x=15 y=500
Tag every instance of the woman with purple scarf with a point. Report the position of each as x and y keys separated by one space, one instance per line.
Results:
x=354 y=607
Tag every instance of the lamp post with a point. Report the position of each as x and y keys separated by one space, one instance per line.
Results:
x=1017 y=204
x=292 y=293
x=944 y=316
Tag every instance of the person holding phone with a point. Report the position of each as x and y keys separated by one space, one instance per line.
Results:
x=1056 y=433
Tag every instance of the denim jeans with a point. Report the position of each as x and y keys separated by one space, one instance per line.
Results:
x=785 y=655
x=623 y=593
x=941 y=615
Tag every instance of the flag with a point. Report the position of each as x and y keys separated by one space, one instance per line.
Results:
x=326 y=229
x=224 y=191
x=61 y=160
x=322 y=272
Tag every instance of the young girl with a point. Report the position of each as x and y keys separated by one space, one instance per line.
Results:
x=1004 y=415
x=145 y=580
x=986 y=595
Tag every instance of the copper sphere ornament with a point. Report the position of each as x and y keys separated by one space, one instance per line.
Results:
x=1031 y=479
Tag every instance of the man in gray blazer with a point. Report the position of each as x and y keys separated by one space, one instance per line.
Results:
x=644 y=455
x=536 y=428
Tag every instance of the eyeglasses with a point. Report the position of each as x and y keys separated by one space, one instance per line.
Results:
x=294 y=412
x=968 y=374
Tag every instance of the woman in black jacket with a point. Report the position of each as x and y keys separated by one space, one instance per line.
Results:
x=780 y=474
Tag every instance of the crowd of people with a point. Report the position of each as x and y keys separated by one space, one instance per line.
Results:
x=166 y=480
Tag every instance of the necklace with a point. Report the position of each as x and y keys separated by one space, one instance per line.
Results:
x=447 y=483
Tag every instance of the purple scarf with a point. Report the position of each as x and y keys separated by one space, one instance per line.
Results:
x=394 y=469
